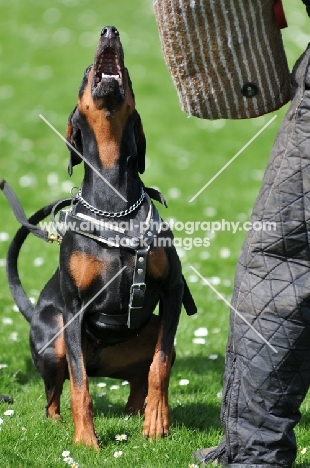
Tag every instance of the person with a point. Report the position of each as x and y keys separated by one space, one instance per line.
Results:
x=267 y=366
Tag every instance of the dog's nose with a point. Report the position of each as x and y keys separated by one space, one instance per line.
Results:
x=109 y=32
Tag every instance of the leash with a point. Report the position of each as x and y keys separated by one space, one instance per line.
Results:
x=21 y=216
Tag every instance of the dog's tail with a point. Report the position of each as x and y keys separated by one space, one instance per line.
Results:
x=19 y=295
x=188 y=301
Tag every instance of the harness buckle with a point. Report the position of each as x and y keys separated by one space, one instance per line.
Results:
x=136 y=300
x=137 y=291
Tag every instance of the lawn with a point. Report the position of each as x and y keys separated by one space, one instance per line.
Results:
x=44 y=51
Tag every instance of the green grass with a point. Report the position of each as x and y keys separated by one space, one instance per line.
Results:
x=44 y=51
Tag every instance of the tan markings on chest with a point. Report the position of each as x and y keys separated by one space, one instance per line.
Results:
x=157 y=263
x=85 y=269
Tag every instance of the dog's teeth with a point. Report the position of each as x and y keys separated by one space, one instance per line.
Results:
x=110 y=76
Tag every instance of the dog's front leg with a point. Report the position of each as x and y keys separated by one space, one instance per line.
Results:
x=156 y=423
x=81 y=403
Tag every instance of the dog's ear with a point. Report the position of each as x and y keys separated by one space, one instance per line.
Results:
x=141 y=143
x=74 y=139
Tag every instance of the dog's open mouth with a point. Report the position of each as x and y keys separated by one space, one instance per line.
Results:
x=109 y=78
x=108 y=67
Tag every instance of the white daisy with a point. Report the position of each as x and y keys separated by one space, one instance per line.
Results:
x=118 y=454
x=101 y=384
x=202 y=331
x=4 y=236
x=7 y=321
x=213 y=357
x=13 y=336
x=183 y=382
x=199 y=341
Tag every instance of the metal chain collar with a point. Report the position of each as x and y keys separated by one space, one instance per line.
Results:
x=109 y=214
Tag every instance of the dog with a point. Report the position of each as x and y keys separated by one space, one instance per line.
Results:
x=95 y=316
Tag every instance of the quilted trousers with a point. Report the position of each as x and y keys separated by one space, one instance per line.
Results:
x=267 y=369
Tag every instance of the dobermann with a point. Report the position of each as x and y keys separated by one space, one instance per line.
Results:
x=95 y=316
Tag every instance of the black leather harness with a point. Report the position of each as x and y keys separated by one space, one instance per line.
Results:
x=104 y=232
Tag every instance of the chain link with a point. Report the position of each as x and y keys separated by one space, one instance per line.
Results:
x=108 y=214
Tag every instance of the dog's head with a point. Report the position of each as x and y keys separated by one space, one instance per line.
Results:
x=106 y=106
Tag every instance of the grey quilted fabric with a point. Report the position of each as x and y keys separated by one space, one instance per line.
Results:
x=263 y=388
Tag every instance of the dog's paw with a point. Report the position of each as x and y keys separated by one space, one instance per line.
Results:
x=55 y=416
x=53 y=412
x=156 y=422
x=85 y=438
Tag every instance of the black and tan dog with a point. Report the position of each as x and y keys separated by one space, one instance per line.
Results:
x=95 y=315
